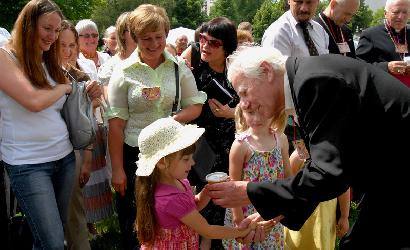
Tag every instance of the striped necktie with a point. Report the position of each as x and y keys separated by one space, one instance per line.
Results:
x=308 y=40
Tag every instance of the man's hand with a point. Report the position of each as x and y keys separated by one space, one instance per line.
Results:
x=229 y=194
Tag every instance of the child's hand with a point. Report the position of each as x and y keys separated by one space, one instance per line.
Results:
x=342 y=227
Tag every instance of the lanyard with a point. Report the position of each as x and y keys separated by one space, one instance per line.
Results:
x=329 y=27
x=396 y=41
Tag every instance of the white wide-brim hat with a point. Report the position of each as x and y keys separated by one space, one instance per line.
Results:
x=161 y=138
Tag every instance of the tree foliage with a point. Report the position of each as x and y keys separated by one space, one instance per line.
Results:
x=362 y=19
x=72 y=9
x=187 y=13
x=236 y=10
x=224 y=8
x=9 y=10
x=267 y=14
x=378 y=17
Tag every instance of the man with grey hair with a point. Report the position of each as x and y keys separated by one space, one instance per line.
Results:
x=388 y=44
x=334 y=19
x=350 y=114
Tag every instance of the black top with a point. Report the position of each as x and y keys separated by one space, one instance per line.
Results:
x=376 y=47
x=352 y=115
x=335 y=33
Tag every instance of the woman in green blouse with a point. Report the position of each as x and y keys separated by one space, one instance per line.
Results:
x=141 y=90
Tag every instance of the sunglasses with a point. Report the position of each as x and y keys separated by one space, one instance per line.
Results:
x=94 y=35
x=211 y=42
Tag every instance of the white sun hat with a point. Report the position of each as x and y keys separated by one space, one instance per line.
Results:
x=161 y=138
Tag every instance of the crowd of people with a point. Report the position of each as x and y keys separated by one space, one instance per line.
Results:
x=302 y=124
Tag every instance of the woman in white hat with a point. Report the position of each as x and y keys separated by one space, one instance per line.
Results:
x=168 y=216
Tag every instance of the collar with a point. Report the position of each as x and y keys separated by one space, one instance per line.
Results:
x=135 y=60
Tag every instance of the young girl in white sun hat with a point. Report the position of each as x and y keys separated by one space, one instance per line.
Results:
x=168 y=216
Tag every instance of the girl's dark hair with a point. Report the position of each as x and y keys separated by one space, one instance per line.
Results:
x=146 y=224
x=67 y=25
x=223 y=29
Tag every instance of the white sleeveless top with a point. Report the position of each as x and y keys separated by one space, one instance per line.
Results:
x=33 y=137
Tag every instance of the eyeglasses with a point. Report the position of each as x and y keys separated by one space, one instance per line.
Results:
x=94 y=35
x=211 y=42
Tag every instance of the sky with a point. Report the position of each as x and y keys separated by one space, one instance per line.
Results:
x=375 y=4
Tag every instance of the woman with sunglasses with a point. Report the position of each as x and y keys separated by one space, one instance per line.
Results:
x=88 y=41
x=217 y=40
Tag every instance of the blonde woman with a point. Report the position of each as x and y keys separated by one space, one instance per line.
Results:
x=141 y=90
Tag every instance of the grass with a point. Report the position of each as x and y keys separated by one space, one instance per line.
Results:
x=108 y=237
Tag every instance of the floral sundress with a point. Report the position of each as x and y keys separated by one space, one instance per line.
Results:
x=262 y=166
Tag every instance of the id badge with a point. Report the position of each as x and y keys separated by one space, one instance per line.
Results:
x=401 y=48
x=151 y=93
x=299 y=145
x=343 y=47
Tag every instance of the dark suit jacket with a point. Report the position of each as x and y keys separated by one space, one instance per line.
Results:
x=352 y=114
x=376 y=47
x=333 y=48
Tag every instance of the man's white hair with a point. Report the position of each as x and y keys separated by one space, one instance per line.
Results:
x=85 y=24
x=391 y=2
x=108 y=31
x=247 y=61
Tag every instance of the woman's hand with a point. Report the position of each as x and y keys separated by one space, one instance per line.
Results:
x=85 y=171
x=119 y=181
x=93 y=89
x=220 y=110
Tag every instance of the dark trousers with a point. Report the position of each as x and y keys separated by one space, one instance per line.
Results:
x=126 y=205
x=3 y=207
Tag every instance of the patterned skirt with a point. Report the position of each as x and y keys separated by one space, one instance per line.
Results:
x=180 y=238
x=97 y=192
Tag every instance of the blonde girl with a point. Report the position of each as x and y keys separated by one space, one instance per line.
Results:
x=168 y=216
x=259 y=153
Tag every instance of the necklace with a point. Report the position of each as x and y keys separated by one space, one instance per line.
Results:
x=401 y=49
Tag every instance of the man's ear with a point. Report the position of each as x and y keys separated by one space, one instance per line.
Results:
x=267 y=70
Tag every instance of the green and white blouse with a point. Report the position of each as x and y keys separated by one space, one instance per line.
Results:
x=140 y=95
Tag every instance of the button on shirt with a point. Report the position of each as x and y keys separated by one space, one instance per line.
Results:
x=286 y=35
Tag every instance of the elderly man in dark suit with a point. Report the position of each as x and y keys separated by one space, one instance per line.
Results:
x=386 y=45
x=334 y=19
x=351 y=113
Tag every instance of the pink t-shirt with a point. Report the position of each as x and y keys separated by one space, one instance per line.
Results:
x=171 y=204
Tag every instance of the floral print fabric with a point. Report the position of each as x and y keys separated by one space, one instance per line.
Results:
x=262 y=166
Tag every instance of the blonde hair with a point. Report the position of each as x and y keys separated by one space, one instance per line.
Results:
x=146 y=224
x=244 y=36
x=278 y=124
x=121 y=25
x=24 y=43
x=148 y=18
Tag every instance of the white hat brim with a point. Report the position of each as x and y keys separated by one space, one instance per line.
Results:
x=187 y=136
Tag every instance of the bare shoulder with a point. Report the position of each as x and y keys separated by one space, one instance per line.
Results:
x=282 y=140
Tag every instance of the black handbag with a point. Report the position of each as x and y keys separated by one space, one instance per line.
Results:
x=78 y=114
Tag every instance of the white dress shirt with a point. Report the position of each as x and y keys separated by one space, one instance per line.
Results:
x=286 y=35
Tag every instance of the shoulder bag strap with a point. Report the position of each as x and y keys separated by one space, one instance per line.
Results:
x=176 y=101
